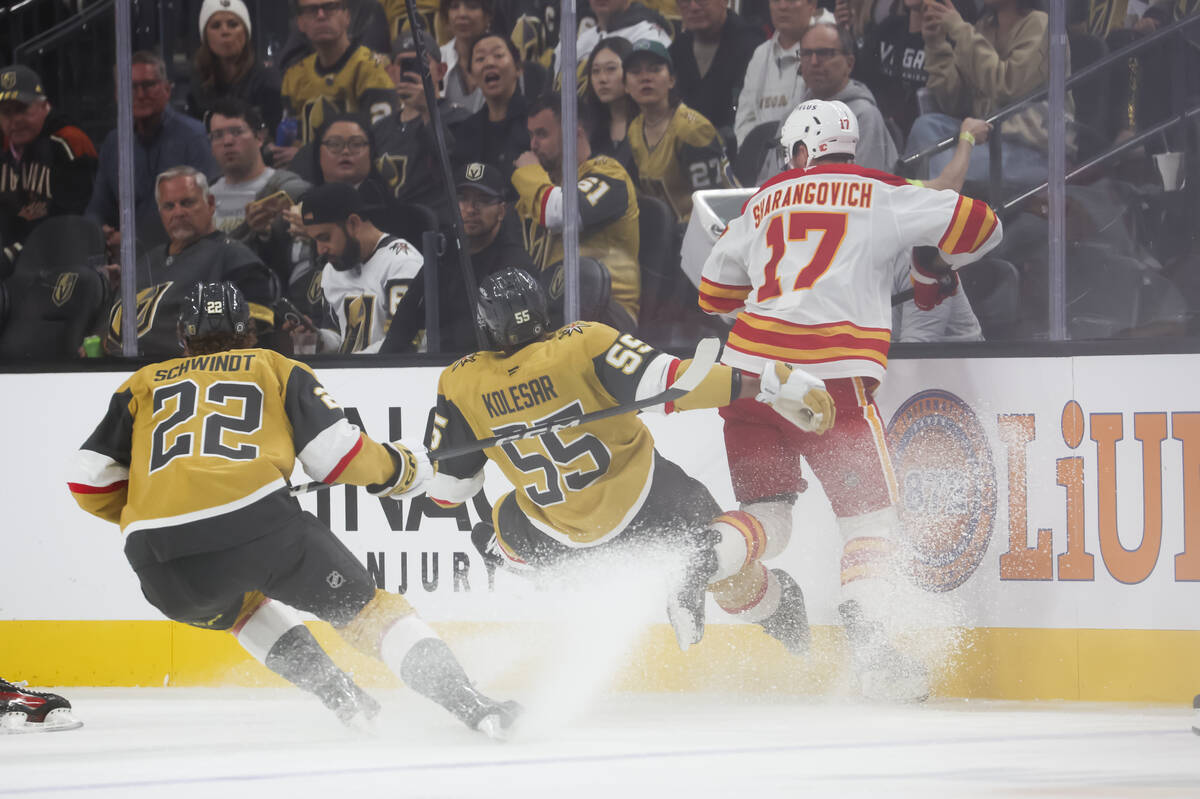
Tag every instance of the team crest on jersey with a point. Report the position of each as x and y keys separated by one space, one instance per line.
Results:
x=313 y=293
x=943 y=464
x=147 y=308
x=571 y=329
x=64 y=288
x=463 y=361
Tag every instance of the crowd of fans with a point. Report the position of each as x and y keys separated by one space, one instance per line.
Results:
x=309 y=181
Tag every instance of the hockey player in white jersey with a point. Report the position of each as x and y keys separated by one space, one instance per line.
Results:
x=367 y=271
x=807 y=268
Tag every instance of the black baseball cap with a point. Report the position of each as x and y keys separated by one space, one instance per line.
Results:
x=406 y=43
x=483 y=177
x=22 y=84
x=331 y=203
x=649 y=49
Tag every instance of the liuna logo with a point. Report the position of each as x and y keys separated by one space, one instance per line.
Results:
x=943 y=465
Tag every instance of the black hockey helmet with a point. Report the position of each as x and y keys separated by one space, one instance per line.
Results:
x=213 y=308
x=512 y=309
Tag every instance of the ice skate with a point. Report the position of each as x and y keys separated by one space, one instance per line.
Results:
x=493 y=718
x=23 y=710
x=351 y=704
x=884 y=673
x=685 y=607
x=789 y=623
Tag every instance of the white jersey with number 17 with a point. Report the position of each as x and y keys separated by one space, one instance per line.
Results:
x=808 y=265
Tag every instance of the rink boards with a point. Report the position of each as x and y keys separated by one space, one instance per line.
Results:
x=1051 y=507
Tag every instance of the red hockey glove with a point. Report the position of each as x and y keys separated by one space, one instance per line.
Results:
x=930 y=288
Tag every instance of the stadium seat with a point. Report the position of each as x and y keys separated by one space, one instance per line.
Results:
x=993 y=287
x=56 y=294
x=658 y=256
x=753 y=152
x=595 y=295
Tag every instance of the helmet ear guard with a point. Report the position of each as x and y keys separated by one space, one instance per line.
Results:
x=512 y=309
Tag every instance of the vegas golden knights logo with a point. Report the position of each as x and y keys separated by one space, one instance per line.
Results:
x=557 y=282
x=314 y=294
x=474 y=171
x=64 y=287
x=10 y=80
x=394 y=169
x=360 y=312
x=147 y=308
x=537 y=242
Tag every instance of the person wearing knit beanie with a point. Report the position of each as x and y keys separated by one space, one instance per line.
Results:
x=236 y=7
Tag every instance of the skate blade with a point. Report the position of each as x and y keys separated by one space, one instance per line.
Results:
x=687 y=631
x=59 y=720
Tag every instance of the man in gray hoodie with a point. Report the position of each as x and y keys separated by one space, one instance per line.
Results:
x=826 y=58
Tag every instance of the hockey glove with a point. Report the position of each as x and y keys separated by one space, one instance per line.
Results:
x=413 y=471
x=930 y=288
x=797 y=396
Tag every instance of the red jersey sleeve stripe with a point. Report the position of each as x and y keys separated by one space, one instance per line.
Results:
x=975 y=220
x=544 y=203
x=344 y=462
x=83 y=488
x=672 y=370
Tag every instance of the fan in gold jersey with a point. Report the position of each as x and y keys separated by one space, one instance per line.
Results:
x=602 y=486
x=192 y=460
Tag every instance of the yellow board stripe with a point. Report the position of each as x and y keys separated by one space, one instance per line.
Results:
x=986 y=663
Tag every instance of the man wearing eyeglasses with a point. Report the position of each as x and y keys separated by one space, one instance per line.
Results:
x=342 y=75
x=826 y=59
x=163 y=138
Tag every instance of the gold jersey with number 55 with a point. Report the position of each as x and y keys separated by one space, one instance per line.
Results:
x=581 y=485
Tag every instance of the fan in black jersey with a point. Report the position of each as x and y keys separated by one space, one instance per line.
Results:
x=603 y=487
x=192 y=460
x=196 y=252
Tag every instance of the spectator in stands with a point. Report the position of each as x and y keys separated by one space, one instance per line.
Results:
x=163 y=138
x=408 y=156
x=225 y=64
x=396 y=12
x=366 y=272
x=977 y=72
x=891 y=62
x=625 y=18
x=677 y=151
x=340 y=76
x=610 y=107
x=953 y=319
x=467 y=20
x=250 y=205
x=773 y=85
x=368 y=27
x=47 y=166
x=495 y=134
x=608 y=211
x=197 y=252
x=711 y=56
x=826 y=59
x=493 y=238
x=344 y=151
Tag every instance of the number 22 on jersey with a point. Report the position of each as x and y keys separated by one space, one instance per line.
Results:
x=796 y=226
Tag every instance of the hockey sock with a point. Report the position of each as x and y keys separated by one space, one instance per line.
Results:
x=740 y=543
x=774 y=514
x=867 y=559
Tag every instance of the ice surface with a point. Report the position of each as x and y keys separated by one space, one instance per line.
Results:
x=224 y=742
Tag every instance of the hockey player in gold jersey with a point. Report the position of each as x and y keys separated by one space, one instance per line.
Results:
x=602 y=486
x=192 y=460
x=608 y=210
x=677 y=150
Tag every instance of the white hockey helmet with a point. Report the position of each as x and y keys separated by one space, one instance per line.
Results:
x=825 y=127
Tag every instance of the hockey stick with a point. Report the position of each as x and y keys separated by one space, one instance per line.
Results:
x=704 y=359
